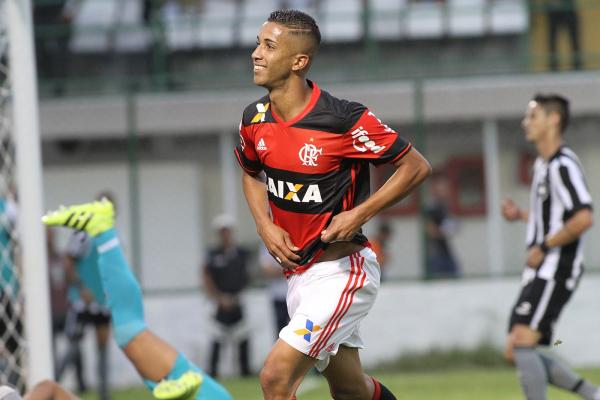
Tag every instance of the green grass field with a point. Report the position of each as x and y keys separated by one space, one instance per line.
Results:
x=461 y=384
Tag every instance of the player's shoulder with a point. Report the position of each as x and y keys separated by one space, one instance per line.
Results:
x=258 y=111
x=567 y=153
x=332 y=114
x=566 y=157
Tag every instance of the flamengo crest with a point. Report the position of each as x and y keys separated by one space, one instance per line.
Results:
x=308 y=154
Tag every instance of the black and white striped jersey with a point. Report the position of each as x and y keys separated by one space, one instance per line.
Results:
x=558 y=191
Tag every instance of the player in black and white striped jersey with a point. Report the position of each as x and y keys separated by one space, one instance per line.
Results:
x=559 y=193
x=560 y=211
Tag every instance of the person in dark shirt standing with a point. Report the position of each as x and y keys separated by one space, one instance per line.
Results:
x=88 y=305
x=59 y=303
x=225 y=277
x=562 y=14
x=441 y=262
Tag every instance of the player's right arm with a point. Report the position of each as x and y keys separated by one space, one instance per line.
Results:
x=511 y=212
x=276 y=240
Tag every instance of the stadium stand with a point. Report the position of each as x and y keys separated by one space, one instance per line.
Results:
x=216 y=24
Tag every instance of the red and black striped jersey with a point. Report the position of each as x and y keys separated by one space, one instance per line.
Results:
x=317 y=164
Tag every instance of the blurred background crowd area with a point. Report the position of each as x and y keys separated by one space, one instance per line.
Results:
x=144 y=98
x=91 y=46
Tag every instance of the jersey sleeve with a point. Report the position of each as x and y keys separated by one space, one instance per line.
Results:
x=246 y=154
x=372 y=140
x=571 y=186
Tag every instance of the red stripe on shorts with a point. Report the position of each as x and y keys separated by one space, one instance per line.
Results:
x=356 y=262
x=360 y=261
x=339 y=306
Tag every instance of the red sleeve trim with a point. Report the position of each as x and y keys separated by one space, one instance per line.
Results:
x=239 y=159
x=402 y=154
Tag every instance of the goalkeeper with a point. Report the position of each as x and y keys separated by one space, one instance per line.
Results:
x=165 y=371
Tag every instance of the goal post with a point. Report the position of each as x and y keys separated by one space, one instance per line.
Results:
x=24 y=128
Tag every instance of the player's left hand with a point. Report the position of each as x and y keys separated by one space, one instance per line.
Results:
x=343 y=227
x=535 y=257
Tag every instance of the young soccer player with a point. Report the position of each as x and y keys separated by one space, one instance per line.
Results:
x=559 y=214
x=164 y=370
x=314 y=150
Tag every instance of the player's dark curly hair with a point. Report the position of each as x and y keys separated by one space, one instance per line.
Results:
x=299 y=23
x=555 y=103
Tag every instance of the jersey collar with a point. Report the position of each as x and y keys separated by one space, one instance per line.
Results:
x=311 y=104
x=557 y=152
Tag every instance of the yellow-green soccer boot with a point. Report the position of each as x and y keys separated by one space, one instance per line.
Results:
x=94 y=218
x=184 y=388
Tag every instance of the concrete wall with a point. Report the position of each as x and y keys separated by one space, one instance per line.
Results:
x=452 y=131
x=178 y=199
x=208 y=111
x=170 y=218
x=407 y=317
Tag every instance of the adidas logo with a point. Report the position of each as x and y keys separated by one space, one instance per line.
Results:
x=261 y=145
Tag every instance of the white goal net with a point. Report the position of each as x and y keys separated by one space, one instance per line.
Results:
x=12 y=349
x=25 y=339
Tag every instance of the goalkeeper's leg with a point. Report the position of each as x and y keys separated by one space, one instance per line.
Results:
x=154 y=359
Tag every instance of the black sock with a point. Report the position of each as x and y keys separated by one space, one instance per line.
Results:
x=386 y=394
x=381 y=392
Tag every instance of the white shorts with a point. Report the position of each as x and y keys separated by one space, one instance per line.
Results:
x=327 y=302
